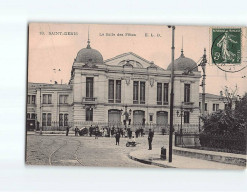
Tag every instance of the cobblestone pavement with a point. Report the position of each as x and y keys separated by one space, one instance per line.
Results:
x=85 y=151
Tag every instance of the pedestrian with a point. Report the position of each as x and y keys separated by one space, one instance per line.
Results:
x=90 y=130
x=96 y=132
x=141 y=132
x=137 y=132
x=76 y=131
x=117 y=136
x=129 y=133
x=112 y=131
x=150 y=139
x=67 y=130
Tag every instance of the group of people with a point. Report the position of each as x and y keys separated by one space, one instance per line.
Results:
x=115 y=132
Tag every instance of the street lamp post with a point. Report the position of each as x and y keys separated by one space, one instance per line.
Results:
x=171 y=95
x=181 y=114
x=127 y=115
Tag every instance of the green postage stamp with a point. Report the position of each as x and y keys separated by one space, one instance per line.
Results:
x=226 y=46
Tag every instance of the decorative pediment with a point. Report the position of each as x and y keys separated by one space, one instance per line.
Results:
x=129 y=58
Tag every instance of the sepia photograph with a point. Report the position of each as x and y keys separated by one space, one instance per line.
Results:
x=136 y=96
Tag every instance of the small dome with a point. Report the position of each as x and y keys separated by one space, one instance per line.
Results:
x=88 y=54
x=183 y=63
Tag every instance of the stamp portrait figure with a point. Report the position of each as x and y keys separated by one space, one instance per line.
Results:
x=227 y=55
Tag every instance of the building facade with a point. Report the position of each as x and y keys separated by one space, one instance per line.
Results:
x=126 y=88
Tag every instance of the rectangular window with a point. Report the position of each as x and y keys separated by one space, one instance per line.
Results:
x=217 y=107
x=118 y=91
x=111 y=91
x=63 y=99
x=44 y=119
x=60 y=120
x=28 y=115
x=89 y=87
x=66 y=118
x=200 y=105
x=186 y=92
x=29 y=99
x=135 y=92
x=151 y=118
x=213 y=107
x=49 y=119
x=159 y=93
x=206 y=107
x=47 y=98
x=33 y=99
x=166 y=93
x=33 y=116
x=142 y=92
x=186 y=117
x=89 y=114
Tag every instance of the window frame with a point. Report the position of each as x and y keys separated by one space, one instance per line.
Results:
x=135 y=92
x=186 y=117
x=89 y=117
x=159 y=93
x=111 y=91
x=187 y=92
x=89 y=87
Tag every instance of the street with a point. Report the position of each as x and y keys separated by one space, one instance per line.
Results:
x=86 y=151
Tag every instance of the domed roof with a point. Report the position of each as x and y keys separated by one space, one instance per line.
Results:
x=183 y=64
x=88 y=54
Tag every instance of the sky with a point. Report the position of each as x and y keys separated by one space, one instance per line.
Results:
x=50 y=49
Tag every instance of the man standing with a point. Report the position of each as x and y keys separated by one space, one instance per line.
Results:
x=150 y=138
x=90 y=130
x=96 y=132
x=76 y=131
x=67 y=130
x=117 y=136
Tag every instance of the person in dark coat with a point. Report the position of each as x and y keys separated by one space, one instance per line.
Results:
x=76 y=131
x=96 y=132
x=67 y=131
x=112 y=131
x=137 y=132
x=150 y=138
x=90 y=130
x=117 y=136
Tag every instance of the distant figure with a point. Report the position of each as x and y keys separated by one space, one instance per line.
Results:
x=137 y=132
x=90 y=130
x=117 y=136
x=112 y=131
x=67 y=130
x=129 y=133
x=150 y=138
x=96 y=132
x=76 y=131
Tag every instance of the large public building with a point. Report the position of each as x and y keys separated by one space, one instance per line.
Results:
x=109 y=91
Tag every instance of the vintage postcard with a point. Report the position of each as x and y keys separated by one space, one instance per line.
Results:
x=142 y=96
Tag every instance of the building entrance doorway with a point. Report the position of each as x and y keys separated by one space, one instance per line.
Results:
x=114 y=117
x=162 y=118
x=138 y=116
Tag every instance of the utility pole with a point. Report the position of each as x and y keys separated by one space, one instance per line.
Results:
x=203 y=65
x=171 y=95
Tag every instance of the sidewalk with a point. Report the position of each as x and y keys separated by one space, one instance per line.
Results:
x=152 y=157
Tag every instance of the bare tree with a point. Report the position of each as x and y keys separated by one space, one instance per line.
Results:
x=229 y=96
